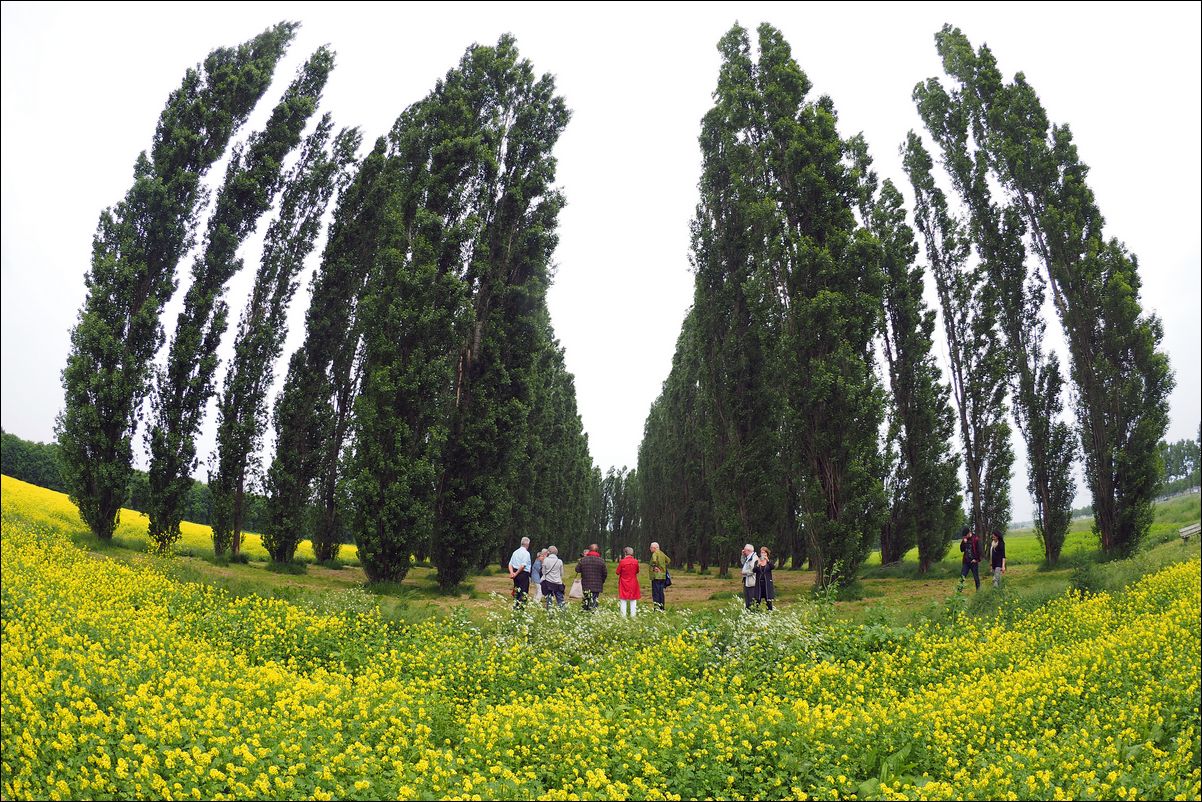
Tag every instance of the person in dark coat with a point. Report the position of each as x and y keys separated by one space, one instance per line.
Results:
x=592 y=572
x=970 y=545
x=765 y=589
x=997 y=558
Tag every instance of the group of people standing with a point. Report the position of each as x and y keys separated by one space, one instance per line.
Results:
x=756 y=571
x=970 y=547
x=545 y=572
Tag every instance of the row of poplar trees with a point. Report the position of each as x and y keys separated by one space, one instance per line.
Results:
x=805 y=409
x=428 y=412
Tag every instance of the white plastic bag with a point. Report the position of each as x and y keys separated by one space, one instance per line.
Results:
x=577 y=591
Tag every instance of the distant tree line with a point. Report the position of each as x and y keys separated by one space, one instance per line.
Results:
x=804 y=409
x=428 y=414
x=1182 y=464
x=40 y=464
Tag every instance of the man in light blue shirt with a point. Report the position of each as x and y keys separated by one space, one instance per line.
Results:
x=519 y=572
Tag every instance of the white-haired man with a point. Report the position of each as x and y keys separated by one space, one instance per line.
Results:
x=519 y=572
x=749 y=578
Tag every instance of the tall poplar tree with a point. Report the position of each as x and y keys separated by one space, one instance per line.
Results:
x=413 y=312
x=671 y=454
x=554 y=491
x=242 y=407
x=184 y=387
x=137 y=245
x=831 y=285
x=957 y=123
x=674 y=495
x=312 y=414
x=506 y=268
x=978 y=358
x=736 y=310
x=925 y=503
x=1122 y=379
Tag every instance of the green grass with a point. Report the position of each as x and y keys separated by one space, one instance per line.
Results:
x=1024 y=548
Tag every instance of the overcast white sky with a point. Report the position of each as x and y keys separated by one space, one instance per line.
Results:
x=83 y=86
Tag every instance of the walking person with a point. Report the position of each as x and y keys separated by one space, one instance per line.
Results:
x=536 y=575
x=553 y=578
x=970 y=545
x=594 y=551
x=659 y=575
x=748 y=573
x=765 y=589
x=592 y=572
x=629 y=591
x=997 y=558
x=519 y=572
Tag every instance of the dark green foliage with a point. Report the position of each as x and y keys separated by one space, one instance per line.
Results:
x=39 y=464
x=413 y=314
x=465 y=430
x=737 y=312
x=620 y=488
x=674 y=496
x=1121 y=377
x=137 y=245
x=36 y=463
x=555 y=489
x=505 y=267
x=298 y=420
x=767 y=428
x=829 y=276
x=956 y=121
x=925 y=502
x=242 y=408
x=253 y=178
x=313 y=411
x=979 y=363
x=1181 y=460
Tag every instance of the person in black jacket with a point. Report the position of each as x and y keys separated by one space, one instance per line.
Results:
x=970 y=545
x=997 y=558
x=765 y=589
x=592 y=572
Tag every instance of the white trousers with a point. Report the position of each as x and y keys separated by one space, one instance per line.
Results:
x=628 y=604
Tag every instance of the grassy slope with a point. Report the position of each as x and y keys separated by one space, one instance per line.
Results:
x=896 y=593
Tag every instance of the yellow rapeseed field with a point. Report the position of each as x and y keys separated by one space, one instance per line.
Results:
x=119 y=682
x=50 y=505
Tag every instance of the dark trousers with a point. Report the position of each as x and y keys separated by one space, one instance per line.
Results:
x=657 y=592
x=521 y=588
x=553 y=590
x=761 y=595
x=590 y=600
x=967 y=566
x=751 y=596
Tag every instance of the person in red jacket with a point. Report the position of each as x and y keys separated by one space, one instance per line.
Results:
x=629 y=592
